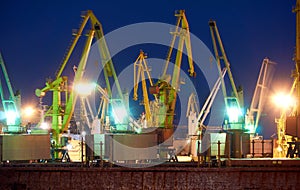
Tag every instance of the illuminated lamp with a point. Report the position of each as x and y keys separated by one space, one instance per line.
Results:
x=119 y=113
x=11 y=117
x=84 y=89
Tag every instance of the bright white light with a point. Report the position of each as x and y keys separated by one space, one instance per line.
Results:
x=233 y=114
x=28 y=111
x=120 y=114
x=44 y=126
x=11 y=117
x=84 y=89
x=83 y=133
x=283 y=101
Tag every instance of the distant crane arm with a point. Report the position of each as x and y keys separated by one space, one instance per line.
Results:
x=210 y=99
x=11 y=92
x=259 y=95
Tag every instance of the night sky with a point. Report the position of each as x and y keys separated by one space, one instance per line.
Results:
x=35 y=35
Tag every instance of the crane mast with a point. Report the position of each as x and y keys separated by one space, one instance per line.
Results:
x=11 y=106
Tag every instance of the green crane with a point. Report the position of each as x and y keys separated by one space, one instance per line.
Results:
x=233 y=103
x=11 y=106
x=62 y=114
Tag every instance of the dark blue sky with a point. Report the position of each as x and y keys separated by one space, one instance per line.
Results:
x=35 y=34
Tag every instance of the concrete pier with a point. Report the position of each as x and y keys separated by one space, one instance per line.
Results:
x=165 y=177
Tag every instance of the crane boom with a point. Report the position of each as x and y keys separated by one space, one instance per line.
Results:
x=12 y=105
x=217 y=41
x=208 y=103
x=71 y=48
x=140 y=68
x=258 y=99
x=103 y=49
x=10 y=90
x=106 y=61
x=70 y=105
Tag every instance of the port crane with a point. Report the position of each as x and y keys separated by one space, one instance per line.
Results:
x=167 y=87
x=11 y=106
x=140 y=68
x=282 y=136
x=240 y=125
x=288 y=129
x=62 y=114
x=233 y=103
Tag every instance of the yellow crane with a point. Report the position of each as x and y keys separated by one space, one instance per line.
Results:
x=140 y=67
x=288 y=128
x=281 y=122
x=167 y=87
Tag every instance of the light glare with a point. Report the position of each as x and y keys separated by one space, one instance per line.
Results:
x=233 y=114
x=11 y=117
x=283 y=101
x=28 y=111
x=84 y=89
